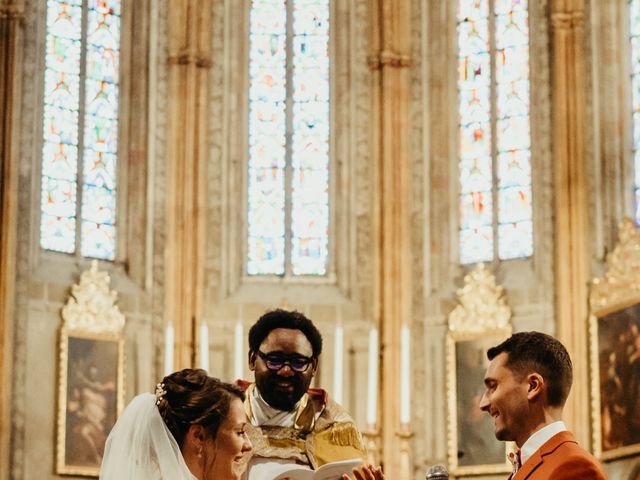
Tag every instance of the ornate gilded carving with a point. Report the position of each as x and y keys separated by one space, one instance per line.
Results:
x=622 y=279
x=91 y=308
x=482 y=305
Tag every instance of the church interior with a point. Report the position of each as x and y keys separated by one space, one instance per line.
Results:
x=420 y=178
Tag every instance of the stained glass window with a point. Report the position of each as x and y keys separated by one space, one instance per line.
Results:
x=495 y=155
x=78 y=203
x=288 y=174
x=634 y=28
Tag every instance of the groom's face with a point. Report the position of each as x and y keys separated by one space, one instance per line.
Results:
x=283 y=388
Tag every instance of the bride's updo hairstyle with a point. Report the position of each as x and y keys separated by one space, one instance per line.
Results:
x=191 y=397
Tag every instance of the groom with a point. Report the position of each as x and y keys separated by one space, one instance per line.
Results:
x=290 y=423
x=526 y=386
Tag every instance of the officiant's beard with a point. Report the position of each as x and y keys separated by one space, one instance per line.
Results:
x=278 y=397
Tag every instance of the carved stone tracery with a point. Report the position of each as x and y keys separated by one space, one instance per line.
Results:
x=482 y=305
x=622 y=279
x=91 y=308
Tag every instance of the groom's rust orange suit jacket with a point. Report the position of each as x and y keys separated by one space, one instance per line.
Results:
x=561 y=458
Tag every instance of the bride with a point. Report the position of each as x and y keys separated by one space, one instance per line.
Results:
x=193 y=428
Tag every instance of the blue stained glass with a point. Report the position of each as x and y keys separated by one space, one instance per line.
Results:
x=508 y=114
x=268 y=17
x=63 y=55
x=102 y=64
x=311 y=18
x=98 y=240
x=111 y=7
x=476 y=245
x=504 y=7
x=474 y=106
x=634 y=17
x=102 y=99
x=514 y=204
x=307 y=114
x=268 y=50
x=101 y=133
x=475 y=175
x=100 y=169
x=58 y=233
x=58 y=197
x=266 y=184
x=514 y=168
x=267 y=118
x=267 y=152
x=268 y=87
x=309 y=256
x=267 y=220
x=512 y=30
x=513 y=133
x=266 y=256
x=636 y=161
x=98 y=205
x=515 y=240
x=476 y=210
x=473 y=10
x=103 y=30
x=63 y=19
x=634 y=29
x=310 y=118
x=474 y=72
x=512 y=64
x=310 y=186
x=61 y=89
x=513 y=99
x=311 y=52
x=60 y=125
x=475 y=140
x=473 y=37
x=61 y=159
x=311 y=151
x=312 y=87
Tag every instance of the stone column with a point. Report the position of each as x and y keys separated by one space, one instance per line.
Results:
x=571 y=216
x=11 y=14
x=389 y=61
x=189 y=64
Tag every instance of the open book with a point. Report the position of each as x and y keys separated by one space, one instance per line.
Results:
x=328 y=471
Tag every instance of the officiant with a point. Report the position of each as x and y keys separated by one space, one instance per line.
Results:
x=290 y=423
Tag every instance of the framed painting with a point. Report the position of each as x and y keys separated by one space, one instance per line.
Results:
x=480 y=321
x=91 y=379
x=614 y=324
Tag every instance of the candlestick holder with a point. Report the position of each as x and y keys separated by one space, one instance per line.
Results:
x=404 y=434
x=372 y=440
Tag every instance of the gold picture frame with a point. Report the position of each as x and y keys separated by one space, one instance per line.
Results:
x=481 y=320
x=91 y=374
x=614 y=338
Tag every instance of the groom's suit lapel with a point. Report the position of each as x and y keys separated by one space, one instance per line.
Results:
x=542 y=455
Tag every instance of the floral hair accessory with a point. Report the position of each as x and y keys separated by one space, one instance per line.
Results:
x=160 y=393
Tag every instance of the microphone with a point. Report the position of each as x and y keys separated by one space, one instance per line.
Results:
x=438 y=472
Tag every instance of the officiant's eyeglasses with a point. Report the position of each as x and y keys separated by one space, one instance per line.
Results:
x=275 y=361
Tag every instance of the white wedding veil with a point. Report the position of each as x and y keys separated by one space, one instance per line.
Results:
x=141 y=447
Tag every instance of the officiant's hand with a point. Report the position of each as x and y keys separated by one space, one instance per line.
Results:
x=366 y=472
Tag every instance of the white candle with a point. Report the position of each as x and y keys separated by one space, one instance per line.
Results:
x=372 y=394
x=405 y=391
x=168 y=350
x=204 y=345
x=238 y=358
x=338 y=361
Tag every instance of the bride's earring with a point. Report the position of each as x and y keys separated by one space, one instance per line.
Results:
x=200 y=452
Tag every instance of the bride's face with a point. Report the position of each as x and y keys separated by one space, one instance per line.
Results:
x=230 y=445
